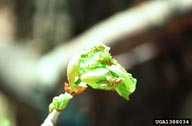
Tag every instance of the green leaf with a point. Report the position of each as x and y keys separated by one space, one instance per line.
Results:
x=95 y=67
x=60 y=102
x=128 y=84
x=127 y=87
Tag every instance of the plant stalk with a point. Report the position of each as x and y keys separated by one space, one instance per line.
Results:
x=51 y=118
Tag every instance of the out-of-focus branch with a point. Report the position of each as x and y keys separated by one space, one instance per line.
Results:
x=121 y=26
x=114 y=32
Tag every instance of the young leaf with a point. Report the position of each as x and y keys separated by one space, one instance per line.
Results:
x=96 y=68
x=60 y=102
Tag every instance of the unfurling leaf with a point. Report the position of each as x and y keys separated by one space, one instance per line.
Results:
x=96 y=68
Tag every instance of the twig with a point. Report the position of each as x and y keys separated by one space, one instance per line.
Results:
x=51 y=118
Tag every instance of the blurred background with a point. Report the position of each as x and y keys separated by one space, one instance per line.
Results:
x=151 y=39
